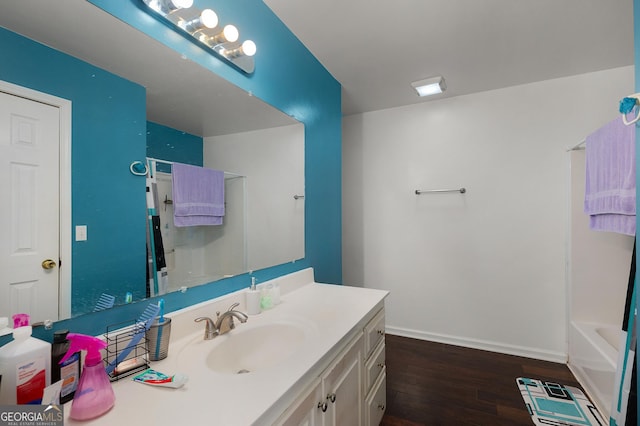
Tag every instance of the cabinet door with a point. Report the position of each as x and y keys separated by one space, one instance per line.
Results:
x=342 y=384
x=307 y=410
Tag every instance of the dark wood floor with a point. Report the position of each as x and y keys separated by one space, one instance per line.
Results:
x=436 y=384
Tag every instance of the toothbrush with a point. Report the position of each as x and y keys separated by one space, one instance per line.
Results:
x=105 y=301
x=160 y=321
x=161 y=308
x=142 y=325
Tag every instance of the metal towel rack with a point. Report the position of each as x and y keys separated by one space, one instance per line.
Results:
x=434 y=191
x=577 y=146
x=227 y=175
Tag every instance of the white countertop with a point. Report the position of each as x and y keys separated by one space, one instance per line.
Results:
x=330 y=312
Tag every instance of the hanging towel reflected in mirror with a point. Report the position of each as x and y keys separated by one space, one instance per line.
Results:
x=198 y=195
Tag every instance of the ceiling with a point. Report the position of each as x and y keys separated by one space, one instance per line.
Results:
x=375 y=49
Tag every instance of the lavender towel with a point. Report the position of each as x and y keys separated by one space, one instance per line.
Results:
x=610 y=192
x=198 y=195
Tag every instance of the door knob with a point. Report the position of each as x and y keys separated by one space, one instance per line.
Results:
x=48 y=264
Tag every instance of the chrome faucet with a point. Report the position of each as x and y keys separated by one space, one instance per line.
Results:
x=223 y=324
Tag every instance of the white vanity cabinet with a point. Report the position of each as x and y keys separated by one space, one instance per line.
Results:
x=335 y=363
x=375 y=370
x=351 y=391
x=336 y=396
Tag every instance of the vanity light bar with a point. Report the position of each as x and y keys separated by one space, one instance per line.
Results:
x=203 y=28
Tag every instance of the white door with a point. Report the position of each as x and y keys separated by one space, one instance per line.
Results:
x=29 y=216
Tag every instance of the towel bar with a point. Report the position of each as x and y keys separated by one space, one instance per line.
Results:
x=430 y=191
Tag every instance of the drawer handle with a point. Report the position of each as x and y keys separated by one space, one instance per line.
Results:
x=331 y=397
x=380 y=365
x=381 y=407
x=323 y=406
x=381 y=332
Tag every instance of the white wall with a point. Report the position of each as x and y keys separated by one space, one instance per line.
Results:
x=226 y=245
x=273 y=162
x=485 y=269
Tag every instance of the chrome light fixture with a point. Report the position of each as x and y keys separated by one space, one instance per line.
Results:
x=429 y=86
x=203 y=28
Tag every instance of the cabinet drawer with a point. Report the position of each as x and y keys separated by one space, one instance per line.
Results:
x=373 y=333
x=377 y=402
x=374 y=367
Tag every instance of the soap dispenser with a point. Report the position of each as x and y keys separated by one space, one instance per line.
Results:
x=253 y=299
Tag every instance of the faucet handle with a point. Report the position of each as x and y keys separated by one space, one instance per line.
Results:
x=232 y=307
x=210 y=328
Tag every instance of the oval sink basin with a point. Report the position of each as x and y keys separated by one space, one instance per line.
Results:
x=246 y=349
x=254 y=349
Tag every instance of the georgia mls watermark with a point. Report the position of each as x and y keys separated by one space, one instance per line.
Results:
x=31 y=415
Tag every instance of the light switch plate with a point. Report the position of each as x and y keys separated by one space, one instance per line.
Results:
x=81 y=232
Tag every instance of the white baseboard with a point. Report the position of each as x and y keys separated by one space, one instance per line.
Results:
x=486 y=345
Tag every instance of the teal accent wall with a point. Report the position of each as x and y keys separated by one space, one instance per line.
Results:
x=287 y=76
x=108 y=133
x=166 y=143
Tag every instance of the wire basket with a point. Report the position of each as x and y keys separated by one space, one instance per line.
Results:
x=118 y=337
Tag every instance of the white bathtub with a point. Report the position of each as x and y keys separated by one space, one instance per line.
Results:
x=593 y=356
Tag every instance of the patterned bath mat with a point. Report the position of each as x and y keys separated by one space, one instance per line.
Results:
x=554 y=404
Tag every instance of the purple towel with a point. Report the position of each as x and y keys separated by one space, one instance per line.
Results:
x=610 y=193
x=198 y=195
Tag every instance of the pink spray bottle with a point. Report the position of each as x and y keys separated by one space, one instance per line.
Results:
x=94 y=395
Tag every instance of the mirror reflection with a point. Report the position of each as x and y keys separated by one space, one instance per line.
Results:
x=263 y=223
x=190 y=116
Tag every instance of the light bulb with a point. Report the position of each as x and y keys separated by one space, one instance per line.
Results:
x=166 y=7
x=249 y=48
x=230 y=33
x=209 y=18
x=182 y=4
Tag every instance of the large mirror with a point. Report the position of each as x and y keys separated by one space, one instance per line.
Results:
x=193 y=117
